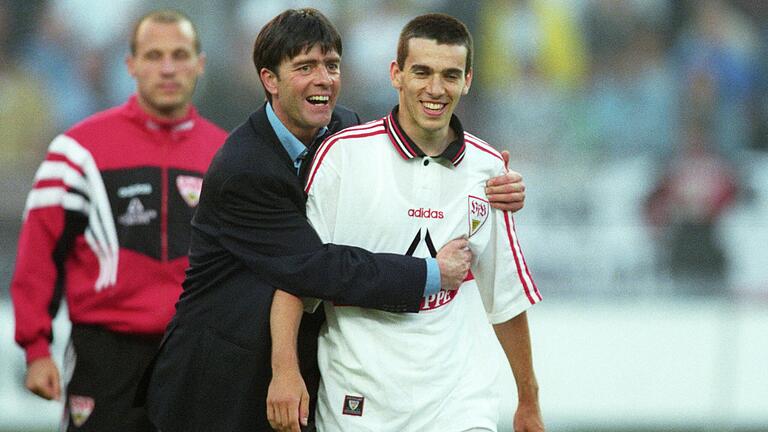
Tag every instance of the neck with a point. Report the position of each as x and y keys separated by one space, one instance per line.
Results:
x=303 y=134
x=170 y=115
x=431 y=142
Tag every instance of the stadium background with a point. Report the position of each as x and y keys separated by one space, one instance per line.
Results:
x=656 y=311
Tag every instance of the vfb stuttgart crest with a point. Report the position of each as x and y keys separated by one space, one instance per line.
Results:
x=478 y=213
x=353 y=405
x=80 y=408
x=189 y=189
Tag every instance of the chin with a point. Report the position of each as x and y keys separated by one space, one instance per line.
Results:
x=433 y=125
x=318 y=121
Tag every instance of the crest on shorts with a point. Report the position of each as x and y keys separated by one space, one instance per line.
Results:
x=80 y=408
x=353 y=405
x=189 y=189
x=478 y=213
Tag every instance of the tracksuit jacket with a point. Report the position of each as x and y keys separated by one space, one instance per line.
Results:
x=107 y=224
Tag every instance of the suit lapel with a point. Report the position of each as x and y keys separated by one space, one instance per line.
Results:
x=265 y=133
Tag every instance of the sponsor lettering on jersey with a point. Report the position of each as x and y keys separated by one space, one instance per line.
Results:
x=136 y=214
x=134 y=190
x=425 y=213
x=80 y=408
x=189 y=189
x=353 y=405
x=439 y=299
x=478 y=213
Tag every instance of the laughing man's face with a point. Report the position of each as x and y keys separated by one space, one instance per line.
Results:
x=305 y=91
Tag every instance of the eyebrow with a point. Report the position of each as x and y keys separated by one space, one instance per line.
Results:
x=298 y=61
x=448 y=71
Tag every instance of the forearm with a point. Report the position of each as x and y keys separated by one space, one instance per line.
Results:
x=515 y=339
x=287 y=397
x=347 y=275
x=284 y=319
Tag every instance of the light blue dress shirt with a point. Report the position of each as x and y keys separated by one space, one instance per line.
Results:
x=298 y=151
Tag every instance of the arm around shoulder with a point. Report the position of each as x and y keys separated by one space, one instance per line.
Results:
x=263 y=224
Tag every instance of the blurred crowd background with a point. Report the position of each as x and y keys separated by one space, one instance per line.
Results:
x=640 y=125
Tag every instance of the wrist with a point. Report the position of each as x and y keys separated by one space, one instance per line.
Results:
x=528 y=394
x=37 y=350
x=286 y=362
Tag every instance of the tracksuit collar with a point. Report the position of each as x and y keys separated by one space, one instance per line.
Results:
x=183 y=124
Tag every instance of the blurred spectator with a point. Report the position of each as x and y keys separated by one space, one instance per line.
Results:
x=55 y=55
x=24 y=132
x=758 y=105
x=23 y=112
x=717 y=55
x=369 y=47
x=520 y=34
x=531 y=56
x=686 y=206
x=632 y=99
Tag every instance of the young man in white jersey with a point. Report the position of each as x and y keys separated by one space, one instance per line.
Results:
x=404 y=184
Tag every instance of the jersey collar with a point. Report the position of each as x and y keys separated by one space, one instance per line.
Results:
x=409 y=150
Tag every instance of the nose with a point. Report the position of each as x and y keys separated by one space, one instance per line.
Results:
x=167 y=66
x=323 y=76
x=435 y=86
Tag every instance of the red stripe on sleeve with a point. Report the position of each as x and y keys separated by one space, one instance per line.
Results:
x=47 y=183
x=58 y=157
x=510 y=236
x=527 y=269
x=492 y=153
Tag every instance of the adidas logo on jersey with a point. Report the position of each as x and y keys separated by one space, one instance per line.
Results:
x=425 y=213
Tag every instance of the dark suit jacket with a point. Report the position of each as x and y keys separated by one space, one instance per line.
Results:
x=249 y=235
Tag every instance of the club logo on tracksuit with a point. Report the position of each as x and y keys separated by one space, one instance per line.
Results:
x=189 y=189
x=80 y=408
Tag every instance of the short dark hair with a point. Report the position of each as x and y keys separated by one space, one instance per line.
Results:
x=290 y=33
x=444 y=29
x=165 y=16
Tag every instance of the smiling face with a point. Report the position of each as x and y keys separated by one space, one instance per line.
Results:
x=304 y=90
x=431 y=82
x=166 y=67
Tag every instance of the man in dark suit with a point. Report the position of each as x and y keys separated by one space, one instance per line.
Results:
x=250 y=235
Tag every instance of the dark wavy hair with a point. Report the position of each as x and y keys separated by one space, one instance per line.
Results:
x=291 y=33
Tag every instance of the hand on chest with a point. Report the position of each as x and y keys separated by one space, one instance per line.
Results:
x=412 y=208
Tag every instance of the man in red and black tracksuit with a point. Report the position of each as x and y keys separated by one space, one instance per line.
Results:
x=107 y=227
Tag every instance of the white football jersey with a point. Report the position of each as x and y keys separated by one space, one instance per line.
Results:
x=371 y=186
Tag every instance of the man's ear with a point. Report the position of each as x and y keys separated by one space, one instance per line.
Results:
x=202 y=60
x=467 y=83
x=269 y=80
x=395 y=75
x=130 y=65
